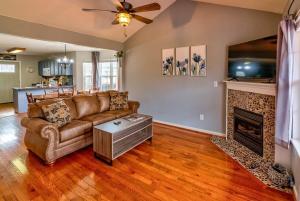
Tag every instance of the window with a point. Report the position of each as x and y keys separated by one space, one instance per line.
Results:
x=7 y=68
x=87 y=76
x=108 y=75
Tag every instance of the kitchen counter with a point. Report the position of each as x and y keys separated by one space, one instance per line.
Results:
x=20 y=98
x=38 y=88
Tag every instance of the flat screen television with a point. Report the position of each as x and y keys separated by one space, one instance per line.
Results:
x=253 y=60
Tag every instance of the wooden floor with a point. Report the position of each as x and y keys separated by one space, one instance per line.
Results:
x=179 y=165
x=6 y=109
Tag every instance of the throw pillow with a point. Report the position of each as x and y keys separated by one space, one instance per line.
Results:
x=57 y=113
x=118 y=100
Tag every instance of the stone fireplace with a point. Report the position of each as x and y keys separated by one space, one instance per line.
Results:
x=250 y=130
x=251 y=117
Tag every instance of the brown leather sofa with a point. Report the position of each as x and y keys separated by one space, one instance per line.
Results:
x=50 y=143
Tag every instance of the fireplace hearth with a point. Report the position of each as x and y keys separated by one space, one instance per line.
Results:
x=248 y=129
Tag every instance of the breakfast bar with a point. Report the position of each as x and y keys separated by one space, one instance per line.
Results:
x=20 y=99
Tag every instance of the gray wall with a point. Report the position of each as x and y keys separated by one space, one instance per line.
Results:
x=180 y=100
x=29 y=61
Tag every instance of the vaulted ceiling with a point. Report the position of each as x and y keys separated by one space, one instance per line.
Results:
x=67 y=14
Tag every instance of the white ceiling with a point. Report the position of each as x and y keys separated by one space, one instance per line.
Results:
x=38 y=47
x=275 y=6
x=67 y=14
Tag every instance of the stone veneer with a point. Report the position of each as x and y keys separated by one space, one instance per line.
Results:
x=260 y=104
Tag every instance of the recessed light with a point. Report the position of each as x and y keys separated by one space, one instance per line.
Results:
x=15 y=50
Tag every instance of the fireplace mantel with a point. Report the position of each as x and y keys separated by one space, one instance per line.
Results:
x=260 y=88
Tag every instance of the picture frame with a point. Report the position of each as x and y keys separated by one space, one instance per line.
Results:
x=198 y=61
x=168 y=62
x=182 y=61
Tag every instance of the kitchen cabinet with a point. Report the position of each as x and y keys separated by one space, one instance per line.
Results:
x=50 y=67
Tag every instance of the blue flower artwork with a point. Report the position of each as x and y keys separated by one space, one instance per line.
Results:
x=168 y=61
x=182 y=61
x=198 y=61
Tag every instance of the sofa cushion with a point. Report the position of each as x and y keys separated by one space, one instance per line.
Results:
x=99 y=118
x=57 y=113
x=118 y=100
x=70 y=103
x=118 y=113
x=86 y=105
x=74 y=129
x=104 y=100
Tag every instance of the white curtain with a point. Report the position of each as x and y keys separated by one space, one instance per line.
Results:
x=285 y=82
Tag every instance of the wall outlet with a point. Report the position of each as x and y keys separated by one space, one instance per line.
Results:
x=201 y=117
x=216 y=84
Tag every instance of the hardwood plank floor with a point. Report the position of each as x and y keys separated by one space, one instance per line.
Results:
x=179 y=165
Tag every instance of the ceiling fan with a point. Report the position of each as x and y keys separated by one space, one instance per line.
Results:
x=125 y=12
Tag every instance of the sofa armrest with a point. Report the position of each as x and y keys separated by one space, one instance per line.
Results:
x=41 y=127
x=134 y=106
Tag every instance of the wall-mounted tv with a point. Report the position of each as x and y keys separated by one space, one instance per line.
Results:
x=255 y=60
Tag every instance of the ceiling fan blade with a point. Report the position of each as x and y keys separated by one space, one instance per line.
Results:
x=145 y=8
x=97 y=10
x=118 y=5
x=142 y=19
x=115 y=22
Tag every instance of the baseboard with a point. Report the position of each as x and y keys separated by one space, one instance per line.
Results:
x=295 y=193
x=190 y=128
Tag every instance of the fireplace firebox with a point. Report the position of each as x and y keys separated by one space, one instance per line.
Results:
x=248 y=129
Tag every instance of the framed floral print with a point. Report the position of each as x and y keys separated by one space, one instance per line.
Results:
x=168 y=61
x=198 y=61
x=182 y=61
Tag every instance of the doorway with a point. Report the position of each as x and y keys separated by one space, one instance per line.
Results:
x=9 y=78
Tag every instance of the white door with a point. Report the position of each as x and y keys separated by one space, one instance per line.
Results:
x=9 y=78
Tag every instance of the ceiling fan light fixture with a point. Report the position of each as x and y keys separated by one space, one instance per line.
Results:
x=124 y=19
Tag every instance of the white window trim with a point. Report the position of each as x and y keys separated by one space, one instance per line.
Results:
x=83 y=76
x=119 y=81
x=111 y=76
x=296 y=145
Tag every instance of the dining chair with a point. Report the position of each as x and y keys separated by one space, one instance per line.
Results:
x=30 y=98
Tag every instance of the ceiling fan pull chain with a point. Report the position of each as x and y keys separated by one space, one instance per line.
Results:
x=125 y=32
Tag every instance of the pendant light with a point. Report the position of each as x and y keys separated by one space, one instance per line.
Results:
x=65 y=60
